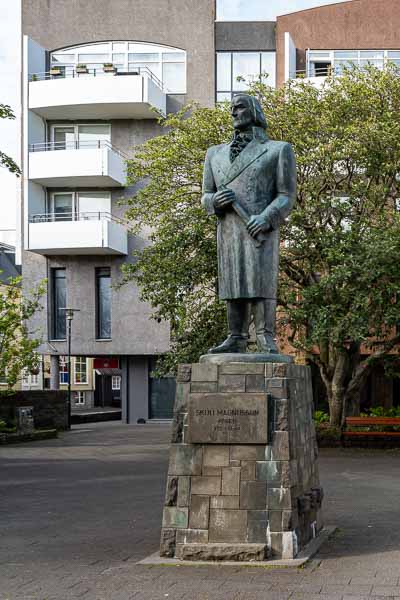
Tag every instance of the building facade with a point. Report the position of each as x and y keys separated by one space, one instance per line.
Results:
x=92 y=75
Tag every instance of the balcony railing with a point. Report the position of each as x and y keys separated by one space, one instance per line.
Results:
x=65 y=72
x=95 y=215
x=317 y=72
x=76 y=145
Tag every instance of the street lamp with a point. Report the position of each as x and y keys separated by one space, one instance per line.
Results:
x=69 y=315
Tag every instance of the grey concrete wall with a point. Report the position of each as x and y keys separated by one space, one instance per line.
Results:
x=245 y=35
x=133 y=330
x=186 y=24
x=135 y=388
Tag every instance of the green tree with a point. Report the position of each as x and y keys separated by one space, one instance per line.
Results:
x=5 y=160
x=339 y=274
x=17 y=346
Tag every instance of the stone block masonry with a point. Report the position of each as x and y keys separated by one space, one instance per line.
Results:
x=243 y=478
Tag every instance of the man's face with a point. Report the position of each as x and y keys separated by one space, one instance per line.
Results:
x=241 y=113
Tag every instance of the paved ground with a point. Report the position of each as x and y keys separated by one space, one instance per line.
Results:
x=78 y=512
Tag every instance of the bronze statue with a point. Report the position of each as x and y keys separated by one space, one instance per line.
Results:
x=250 y=185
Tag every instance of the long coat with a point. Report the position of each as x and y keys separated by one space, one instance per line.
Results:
x=263 y=177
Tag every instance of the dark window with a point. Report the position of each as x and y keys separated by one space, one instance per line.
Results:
x=103 y=294
x=59 y=294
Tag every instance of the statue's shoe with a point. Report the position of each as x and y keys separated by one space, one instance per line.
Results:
x=231 y=344
x=266 y=343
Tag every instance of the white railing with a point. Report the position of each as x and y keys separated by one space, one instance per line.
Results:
x=63 y=72
x=75 y=145
x=74 y=216
x=316 y=72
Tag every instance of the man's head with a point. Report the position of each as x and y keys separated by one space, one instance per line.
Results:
x=246 y=112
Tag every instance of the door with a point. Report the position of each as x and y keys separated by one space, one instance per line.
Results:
x=62 y=206
x=94 y=205
x=162 y=397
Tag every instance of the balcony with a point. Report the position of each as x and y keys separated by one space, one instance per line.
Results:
x=80 y=233
x=97 y=95
x=86 y=164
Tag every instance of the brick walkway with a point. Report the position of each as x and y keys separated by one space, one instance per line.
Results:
x=77 y=513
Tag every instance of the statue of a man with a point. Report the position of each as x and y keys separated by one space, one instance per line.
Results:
x=250 y=185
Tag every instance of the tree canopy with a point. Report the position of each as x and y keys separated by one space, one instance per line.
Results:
x=5 y=160
x=17 y=346
x=340 y=256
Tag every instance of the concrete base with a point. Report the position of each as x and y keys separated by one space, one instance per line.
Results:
x=248 y=357
x=302 y=558
x=243 y=464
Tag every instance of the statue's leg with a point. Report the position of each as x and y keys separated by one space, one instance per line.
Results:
x=264 y=311
x=239 y=313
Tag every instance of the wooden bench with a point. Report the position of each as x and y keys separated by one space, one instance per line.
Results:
x=367 y=421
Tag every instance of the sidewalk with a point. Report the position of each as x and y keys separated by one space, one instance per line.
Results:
x=77 y=513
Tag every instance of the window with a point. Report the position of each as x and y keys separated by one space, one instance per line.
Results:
x=237 y=70
x=80 y=369
x=79 y=398
x=321 y=63
x=63 y=370
x=73 y=206
x=167 y=64
x=59 y=303
x=115 y=382
x=103 y=303
x=80 y=136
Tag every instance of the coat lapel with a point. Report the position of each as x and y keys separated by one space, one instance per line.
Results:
x=249 y=155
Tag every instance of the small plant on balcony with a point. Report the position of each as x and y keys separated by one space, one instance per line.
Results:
x=34 y=77
x=109 y=68
x=81 y=68
x=55 y=71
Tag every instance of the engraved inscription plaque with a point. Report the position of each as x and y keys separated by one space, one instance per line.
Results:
x=240 y=418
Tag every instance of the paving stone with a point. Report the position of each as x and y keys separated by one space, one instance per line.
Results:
x=243 y=452
x=210 y=486
x=347 y=589
x=385 y=590
x=183 y=491
x=216 y=456
x=253 y=495
x=204 y=372
x=248 y=470
x=242 y=369
x=232 y=383
x=255 y=383
x=199 y=512
x=228 y=525
x=224 y=502
x=230 y=481
x=175 y=517
x=185 y=459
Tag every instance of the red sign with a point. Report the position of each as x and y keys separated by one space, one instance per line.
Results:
x=106 y=363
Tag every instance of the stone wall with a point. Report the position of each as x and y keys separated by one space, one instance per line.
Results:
x=49 y=407
x=241 y=499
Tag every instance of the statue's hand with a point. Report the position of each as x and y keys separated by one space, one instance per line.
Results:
x=223 y=199
x=257 y=224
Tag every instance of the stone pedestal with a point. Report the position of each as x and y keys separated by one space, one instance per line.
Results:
x=243 y=478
